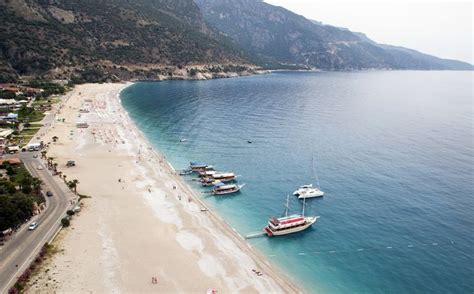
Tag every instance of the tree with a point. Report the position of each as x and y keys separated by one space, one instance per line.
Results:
x=43 y=154
x=15 y=209
x=65 y=222
x=10 y=170
x=9 y=187
x=50 y=162
x=36 y=183
x=55 y=166
x=55 y=138
x=25 y=183
x=73 y=185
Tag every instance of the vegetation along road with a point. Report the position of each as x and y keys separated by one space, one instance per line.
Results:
x=19 y=252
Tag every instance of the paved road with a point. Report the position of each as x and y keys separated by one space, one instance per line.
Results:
x=18 y=252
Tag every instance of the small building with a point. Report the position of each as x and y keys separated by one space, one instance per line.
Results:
x=3 y=86
x=11 y=161
x=82 y=125
x=12 y=89
x=7 y=102
x=5 y=133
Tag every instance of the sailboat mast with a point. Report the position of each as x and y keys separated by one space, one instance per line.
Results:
x=315 y=173
x=304 y=204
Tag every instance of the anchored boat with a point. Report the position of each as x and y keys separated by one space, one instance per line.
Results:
x=199 y=166
x=308 y=191
x=223 y=189
x=185 y=172
x=289 y=223
x=209 y=182
x=206 y=173
x=224 y=177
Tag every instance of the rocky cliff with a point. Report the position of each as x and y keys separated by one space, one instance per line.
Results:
x=279 y=37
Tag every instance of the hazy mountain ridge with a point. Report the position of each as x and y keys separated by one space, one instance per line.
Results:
x=106 y=38
x=89 y=40
x=277 y=35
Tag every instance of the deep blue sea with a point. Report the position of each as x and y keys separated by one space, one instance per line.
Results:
x=394 y=151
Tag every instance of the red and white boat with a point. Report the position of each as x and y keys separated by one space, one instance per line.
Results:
x=289 y=223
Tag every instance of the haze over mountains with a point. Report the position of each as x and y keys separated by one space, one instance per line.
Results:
x=142 y=38
x=277 y=35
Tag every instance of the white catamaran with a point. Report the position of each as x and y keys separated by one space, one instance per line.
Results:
x=289 y=223
x=308 y=191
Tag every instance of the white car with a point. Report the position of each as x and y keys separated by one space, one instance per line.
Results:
x=32 y=226
x=40 y=167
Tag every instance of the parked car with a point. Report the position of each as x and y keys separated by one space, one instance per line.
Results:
x=40 y=167
x=32 y=226
x=49 y=193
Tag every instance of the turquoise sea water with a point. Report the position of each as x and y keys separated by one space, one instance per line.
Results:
x=395 y=156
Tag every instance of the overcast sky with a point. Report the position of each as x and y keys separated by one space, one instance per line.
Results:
x=443 y=29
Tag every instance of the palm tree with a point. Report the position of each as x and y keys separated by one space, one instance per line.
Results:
x=73 y=185
x=55 y=138
x=50 y=162
x=43 y=154
x=55 y=166
x=36 y=183
x=76 y=182
x=64 y=177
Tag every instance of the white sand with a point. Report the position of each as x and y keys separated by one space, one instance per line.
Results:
x=136 y=229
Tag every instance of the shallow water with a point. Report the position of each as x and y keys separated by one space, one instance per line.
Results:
x=394 y=154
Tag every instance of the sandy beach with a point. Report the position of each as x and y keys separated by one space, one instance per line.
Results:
x=142 y=221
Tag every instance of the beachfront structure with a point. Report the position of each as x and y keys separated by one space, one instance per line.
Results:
x=82 y=125
x=5 y=133
x=7 y=102
x=11 y=161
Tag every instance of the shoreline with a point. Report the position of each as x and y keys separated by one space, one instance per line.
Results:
x=281 y=277
x=210 y=249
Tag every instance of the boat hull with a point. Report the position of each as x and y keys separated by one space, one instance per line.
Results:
x=311 y=195
x=220 y=193
x=309 y=222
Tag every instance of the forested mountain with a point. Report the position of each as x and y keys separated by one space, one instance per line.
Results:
x=278 y=37
x=106 y=37
x=98 y=40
